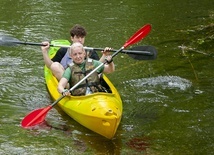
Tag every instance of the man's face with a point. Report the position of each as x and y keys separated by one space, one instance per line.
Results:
x=78 y=55
x=78 y=39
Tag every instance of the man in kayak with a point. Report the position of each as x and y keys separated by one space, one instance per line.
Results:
x=60 y=61
x=80 y=68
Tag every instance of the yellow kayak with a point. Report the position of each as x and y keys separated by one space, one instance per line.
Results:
x=99 y=112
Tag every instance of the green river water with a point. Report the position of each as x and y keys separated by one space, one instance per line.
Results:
x=168 y=103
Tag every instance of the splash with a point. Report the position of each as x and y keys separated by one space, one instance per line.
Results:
x=163 y=81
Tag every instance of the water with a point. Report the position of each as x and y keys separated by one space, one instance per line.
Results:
x=168 y=102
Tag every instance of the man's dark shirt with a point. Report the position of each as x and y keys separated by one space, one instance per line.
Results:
x=62 y=51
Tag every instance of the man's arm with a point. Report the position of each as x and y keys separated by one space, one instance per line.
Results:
x=109 y=67
x=46 y=58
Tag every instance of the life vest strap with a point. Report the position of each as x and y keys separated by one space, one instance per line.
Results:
x=95 y=84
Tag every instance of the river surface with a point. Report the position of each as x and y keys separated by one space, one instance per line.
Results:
x=168 y=103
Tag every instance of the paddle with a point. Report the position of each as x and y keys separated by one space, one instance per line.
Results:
x=37 y=116
x=140 y=53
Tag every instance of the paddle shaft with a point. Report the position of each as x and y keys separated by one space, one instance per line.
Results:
x=123 y=51
x=86 y=48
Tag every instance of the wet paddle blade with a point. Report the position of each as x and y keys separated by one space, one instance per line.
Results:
x=8 y=41
x=151 y=53
x=35 y=117
x=139 y=35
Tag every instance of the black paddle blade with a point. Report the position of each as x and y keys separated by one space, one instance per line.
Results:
x=8 y=41
x=152 y=55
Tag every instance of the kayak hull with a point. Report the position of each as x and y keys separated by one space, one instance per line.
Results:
x=100 y=112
